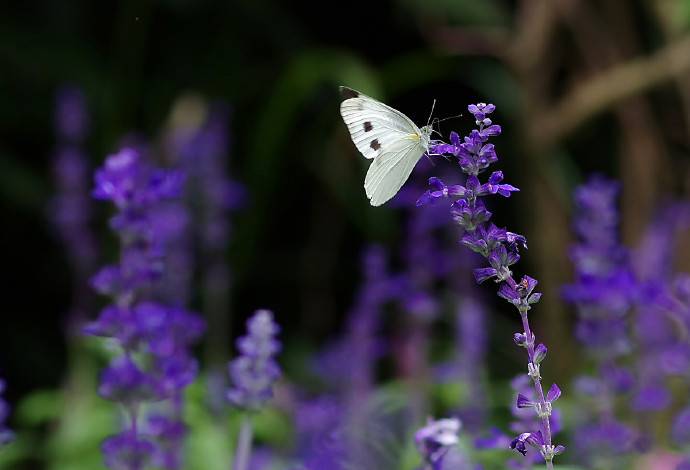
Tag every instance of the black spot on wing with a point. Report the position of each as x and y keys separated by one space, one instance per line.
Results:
x=375 y=144
x=347 y=93
x=368 y=126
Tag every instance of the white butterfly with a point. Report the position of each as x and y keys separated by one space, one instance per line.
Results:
x=389 y=137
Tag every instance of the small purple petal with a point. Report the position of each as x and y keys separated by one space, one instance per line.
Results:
x=553 y=394
x=539 y=353
x=524 y=402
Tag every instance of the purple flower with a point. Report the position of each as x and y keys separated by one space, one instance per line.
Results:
x=71 y=118
x=127 y=451
x=123 y=382
x=500 y=247
x=680 y=429
x=606 y=441
x=169 y=433
x=436 y=438
x=536 y=440
x=6 y=435
x=252 y=374
x=70 y=210
x=553 y=394
x=472 y=188
x=148 y=327
x=130 y=184
x=484 y=240
x=603 y=293
x=316 y=420
x=599 y=253
x=255 y=370
x=500 y=259
x=523 y=411
x=469 y=216
x=201 y=149
x=330 y=453
x=155 y=338
x=346 y=363
x=521 y=295
x=651 y=398
x=441 y=191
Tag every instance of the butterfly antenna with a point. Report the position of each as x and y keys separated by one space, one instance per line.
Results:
x=450 y=117
x=434 y=123
x=432 y=112
x=439 y=121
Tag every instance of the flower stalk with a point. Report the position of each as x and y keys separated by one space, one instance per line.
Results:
x=501 y=248
x=253 y=373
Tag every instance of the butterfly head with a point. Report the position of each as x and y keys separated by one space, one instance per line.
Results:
x=425 y=135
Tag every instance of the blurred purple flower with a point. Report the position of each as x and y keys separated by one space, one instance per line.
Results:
x=680 y=429
x=330 y=453
x=255 y=370
x=435 y=439
x=169 y=432
x=131 y=185
x=123 y=382
x=71 y=116
x=70 y=209
x=316 y=418
x=604 y=293
x=605 y=442
x=155 y=337
x=604 y=289
x=201 y=147
x=345 y=363
x=127 y=451
x=6 y=434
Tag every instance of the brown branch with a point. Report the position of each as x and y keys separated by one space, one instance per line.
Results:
x=610 y=87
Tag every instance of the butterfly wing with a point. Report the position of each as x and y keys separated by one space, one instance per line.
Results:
x=391 y=168
x=373 y=125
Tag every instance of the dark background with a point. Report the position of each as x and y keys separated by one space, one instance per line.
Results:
x=579 y=86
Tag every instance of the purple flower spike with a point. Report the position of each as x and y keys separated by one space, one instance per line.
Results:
x=501 y=248
x=255 y=370
x=155 y=338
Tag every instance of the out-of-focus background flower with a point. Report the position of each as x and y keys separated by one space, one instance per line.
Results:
x=580 y=86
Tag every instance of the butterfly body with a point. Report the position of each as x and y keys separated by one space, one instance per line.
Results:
x=387 y=136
